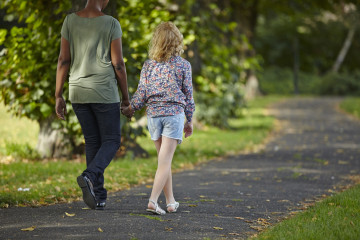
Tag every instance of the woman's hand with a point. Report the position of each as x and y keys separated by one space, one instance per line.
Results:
x=60 y=108
x=127 y=110
x=188 y=129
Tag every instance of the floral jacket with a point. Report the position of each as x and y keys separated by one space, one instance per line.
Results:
x=165 y=88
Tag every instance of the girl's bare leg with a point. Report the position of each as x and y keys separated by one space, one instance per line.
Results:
x=166 y=148
x=168 y=188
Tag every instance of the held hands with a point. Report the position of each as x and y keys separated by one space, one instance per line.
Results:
x=60 y=108
x=126 y=109
x=188 y=129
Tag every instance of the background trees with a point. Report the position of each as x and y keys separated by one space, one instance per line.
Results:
x=230 y=44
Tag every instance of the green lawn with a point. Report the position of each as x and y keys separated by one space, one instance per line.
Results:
x=15 y=131
x=337 y=217
x=351 y=105
x=54 y=181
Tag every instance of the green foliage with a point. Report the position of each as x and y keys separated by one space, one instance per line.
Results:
x=28 y=66
x=341 y=84
x=213 y=46
x=277 y=80
x=20 y=151
x=217 y=58
x=312 y=23
x=351 y=105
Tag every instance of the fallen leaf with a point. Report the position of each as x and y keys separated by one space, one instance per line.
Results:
x=148 y=186
x=264 y=222
x=218 y=228
x=100 y=230
x=351 y=222
x=193 y=205
x=69 y=214
x=229 y=206
x=284 y=200
x=86 y=208
x=257 y=228
x=234 y=234
x=168 y=229
x=240 y=218
x=202 y=196
x=343 y=162
x=141 y=194
x=30 y=229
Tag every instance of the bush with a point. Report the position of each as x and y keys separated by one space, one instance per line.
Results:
x=276 y=80
x=21 y=151
x=340 y=84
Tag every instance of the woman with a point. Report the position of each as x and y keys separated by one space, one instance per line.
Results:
x=166 y=88
x=91 y=49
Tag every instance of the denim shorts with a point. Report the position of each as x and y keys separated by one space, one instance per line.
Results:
x=168 y=126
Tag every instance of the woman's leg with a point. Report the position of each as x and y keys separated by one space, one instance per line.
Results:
x=108 y=122
x=90 y=130
x=166 y=148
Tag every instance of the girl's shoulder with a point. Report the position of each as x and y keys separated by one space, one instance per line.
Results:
x=180 y=62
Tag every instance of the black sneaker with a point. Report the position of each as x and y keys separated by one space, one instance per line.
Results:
x=87 y=190
x=100 y=206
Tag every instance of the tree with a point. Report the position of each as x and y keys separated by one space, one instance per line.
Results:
x=28 y=65
x=349 y=14
x=213 y=44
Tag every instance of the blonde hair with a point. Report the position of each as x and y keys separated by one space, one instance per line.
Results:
x=167 y=41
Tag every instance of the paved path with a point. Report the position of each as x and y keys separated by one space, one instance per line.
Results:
x=317 y=149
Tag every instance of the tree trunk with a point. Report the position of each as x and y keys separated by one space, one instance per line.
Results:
x=251 y=86
x=296 y=65
x=245 y=14
x=344 y=50
x=52 y=143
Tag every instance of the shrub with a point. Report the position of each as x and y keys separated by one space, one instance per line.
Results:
x=340 y=84
x=276 y=80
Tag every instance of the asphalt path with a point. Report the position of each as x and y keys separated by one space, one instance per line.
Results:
x=313 y=154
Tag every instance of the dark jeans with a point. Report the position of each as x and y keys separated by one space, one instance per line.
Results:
x=100 y=125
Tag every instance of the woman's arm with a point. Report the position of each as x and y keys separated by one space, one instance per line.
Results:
x=62 y=71
x=120 y=70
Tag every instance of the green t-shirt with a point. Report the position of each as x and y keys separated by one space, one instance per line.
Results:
x=92 y=76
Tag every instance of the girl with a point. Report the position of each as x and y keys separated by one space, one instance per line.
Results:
x=166 y=88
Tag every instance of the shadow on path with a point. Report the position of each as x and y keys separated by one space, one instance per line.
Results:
x=317 y=150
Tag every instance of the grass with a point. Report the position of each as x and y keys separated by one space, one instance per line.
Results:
x=16 y=133
x=351 y=105
x=53 y=181
x=337 y=217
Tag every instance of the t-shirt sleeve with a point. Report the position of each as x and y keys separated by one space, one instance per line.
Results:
x=65 y=29
x=116 y=31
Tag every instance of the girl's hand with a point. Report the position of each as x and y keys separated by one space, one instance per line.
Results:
x=188 y=129
x=127 y=111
